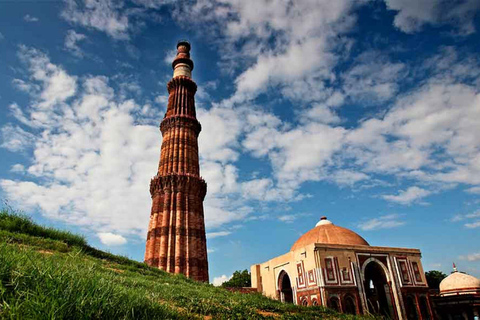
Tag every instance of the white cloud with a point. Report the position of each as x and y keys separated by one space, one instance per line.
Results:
x=219 y=137
x=170 y=56
x=17 y=168
x=212 y=235
x=306 y=32
x=447 y=64
x=373 y=78
x=71 y=42
x=95 y=150
x=469 y=217
x=111 y=239
x=56 y=85
x=298 y=154
x=260 y=189
x=430 y=134
x=404 y=141
x=322 y=113
x=461 y=217
x=14 y=138
x=18 y=114
x=281 y=68
x=409 y=196
x=106 y=16
x=94 y=160
x=288 y=218
x=382 y=222
x=217 y=281
x=473 y=225
x=153 y=4
x=474 y=190
x=162 y=100
x=30 y=18
x=437 y=120
x=23 y=86
x=412 y=15
x=471 y=257
x=348 y=177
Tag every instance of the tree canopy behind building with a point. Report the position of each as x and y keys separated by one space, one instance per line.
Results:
x=434 y=277
x=240 y=279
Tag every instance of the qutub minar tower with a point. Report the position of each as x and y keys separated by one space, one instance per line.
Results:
x=176 y=239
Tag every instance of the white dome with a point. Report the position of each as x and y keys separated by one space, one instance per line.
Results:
x=323 y=221
x=325 y=232
x=459 y=283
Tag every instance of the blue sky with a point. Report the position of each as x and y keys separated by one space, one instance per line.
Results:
x=367 y=112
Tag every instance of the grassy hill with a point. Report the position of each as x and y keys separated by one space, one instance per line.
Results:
x=51 y=274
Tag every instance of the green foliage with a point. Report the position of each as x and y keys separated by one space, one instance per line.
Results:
x=43 y=276
x=434 y=278
x=239 y=279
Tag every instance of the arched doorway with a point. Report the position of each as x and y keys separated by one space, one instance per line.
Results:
x=411 y=308
x=424 y=309
x=285 y=287
x=377 y=291
x=334 y=303
x=349 y=305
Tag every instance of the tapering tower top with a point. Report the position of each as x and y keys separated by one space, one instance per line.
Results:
x=182 y=64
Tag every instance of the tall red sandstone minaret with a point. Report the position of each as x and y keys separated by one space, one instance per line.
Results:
x=176 y=233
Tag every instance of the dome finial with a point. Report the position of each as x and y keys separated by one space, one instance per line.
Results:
x=454 y=268
x=323 y=221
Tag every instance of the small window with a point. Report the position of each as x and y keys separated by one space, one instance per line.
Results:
x=301 y=280
x=329 y=267
x=314 y=302
x=304 y=302
x=404 y=271
x=346 y=274
x=416 y=271
x=299 y=270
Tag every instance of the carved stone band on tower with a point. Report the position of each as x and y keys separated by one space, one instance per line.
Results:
x=176 y=239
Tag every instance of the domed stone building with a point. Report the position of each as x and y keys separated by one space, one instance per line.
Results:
x=459 y=297
x=335 y=267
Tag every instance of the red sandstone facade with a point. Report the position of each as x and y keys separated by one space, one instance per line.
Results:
x=176 y=239
x=335 y=267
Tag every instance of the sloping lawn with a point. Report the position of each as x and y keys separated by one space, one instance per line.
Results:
x=51 y=274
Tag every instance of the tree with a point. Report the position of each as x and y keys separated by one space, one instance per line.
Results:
x=239 y=279
x=434 y=278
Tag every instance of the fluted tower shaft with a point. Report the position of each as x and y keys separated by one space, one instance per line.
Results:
x=176 y=239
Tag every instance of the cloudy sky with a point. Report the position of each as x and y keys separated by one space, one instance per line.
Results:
x=367 y=112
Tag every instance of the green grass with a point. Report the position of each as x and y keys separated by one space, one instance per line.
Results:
x=19 y=223
x=51 y=274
